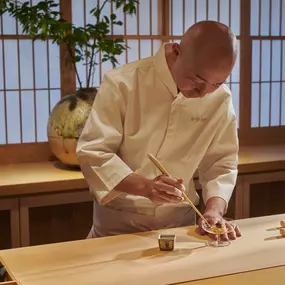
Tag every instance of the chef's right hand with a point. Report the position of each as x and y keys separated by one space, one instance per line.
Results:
x=165 y=189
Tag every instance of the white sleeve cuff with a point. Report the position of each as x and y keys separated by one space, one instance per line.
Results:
x=111 y=174
x=221 y=187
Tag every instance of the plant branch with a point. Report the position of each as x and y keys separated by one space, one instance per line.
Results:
x=93 y=71
x=74 y=65
x=93 y=47
x=102 y=7
x=90 y=64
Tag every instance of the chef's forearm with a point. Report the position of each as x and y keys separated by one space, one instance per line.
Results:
x=136 y=185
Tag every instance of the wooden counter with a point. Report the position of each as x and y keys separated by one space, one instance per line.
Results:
x=29 y=178
x=254 y=159
x=258 y=256
x=41 y=202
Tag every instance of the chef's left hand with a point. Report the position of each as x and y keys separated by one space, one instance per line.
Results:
x=213 y=214
x=213 y=217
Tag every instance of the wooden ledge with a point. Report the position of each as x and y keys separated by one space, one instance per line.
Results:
x=50 y=176
x=253 y=159
x=39 y=177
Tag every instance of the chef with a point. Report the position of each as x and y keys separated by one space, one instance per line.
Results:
x=175 y=106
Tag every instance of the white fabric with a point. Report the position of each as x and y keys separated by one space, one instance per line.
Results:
x=138 y=111
x=109 y=222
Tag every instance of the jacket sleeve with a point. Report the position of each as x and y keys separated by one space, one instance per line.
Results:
x=99 y=142
x=218 y=169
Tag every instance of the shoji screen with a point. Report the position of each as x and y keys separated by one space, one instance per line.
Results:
x=267 y=31
x=29 y=84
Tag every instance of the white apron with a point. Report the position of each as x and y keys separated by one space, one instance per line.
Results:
x=108 y=221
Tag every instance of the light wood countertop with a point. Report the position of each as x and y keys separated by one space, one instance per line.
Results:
x=135 y=259
x=274 y=275
x=261 y=158
x=28 y=178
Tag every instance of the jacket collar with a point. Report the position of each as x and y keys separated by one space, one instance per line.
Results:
x=161 y=67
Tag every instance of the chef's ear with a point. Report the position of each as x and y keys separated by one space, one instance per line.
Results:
x=176 y=48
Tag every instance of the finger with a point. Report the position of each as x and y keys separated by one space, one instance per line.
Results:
x=230 y=231
x=172 y=181
x=237 y=231
x=163 y=187
x=180 y=180
x=200 y=231
x=232 y=235
x=159 y=201
x=212 y=236
x=225 y=237
x=167 y=197
x=156 y=198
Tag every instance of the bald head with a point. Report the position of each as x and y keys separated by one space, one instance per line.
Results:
x=206 y=54
x=209 y=42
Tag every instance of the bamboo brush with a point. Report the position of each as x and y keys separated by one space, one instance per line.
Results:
x=164 y=171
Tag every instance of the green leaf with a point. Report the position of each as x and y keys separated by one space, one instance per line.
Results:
x=107 y=20
x=119 y=23
x=77 y=58
x=113 y=16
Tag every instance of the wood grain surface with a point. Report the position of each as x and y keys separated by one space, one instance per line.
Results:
x=30 y=178
x=136 y=259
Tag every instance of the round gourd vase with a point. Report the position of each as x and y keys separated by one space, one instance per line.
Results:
x=66 y=122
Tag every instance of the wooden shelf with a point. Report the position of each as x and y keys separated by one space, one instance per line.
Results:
x=267 y=158
x=49 y=176
x=29 y=178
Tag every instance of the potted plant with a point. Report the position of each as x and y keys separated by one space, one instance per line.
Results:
x=43 y=21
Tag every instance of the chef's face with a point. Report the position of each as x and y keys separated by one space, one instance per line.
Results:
x=195 y=80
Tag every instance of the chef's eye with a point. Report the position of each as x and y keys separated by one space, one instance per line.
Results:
x=196 y=81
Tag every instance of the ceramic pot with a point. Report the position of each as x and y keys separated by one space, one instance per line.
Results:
x=66 y=122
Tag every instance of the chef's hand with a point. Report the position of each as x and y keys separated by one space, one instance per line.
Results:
x=214 y=214
x=165 y=189
x=162 y=189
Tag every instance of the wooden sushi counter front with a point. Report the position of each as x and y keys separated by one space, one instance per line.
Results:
x=43 y=202
x=258 y=257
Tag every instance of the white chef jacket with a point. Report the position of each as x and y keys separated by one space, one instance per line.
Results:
x=138 y=111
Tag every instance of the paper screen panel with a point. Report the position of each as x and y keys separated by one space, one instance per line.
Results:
x=3 y=121
x=13 y=116
x=268 y=69
x=27 y=68
x=28 y=117
x=8 y=25
x=268 y=63
x=184 y=13
x=42 y=114
x=272 y=13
